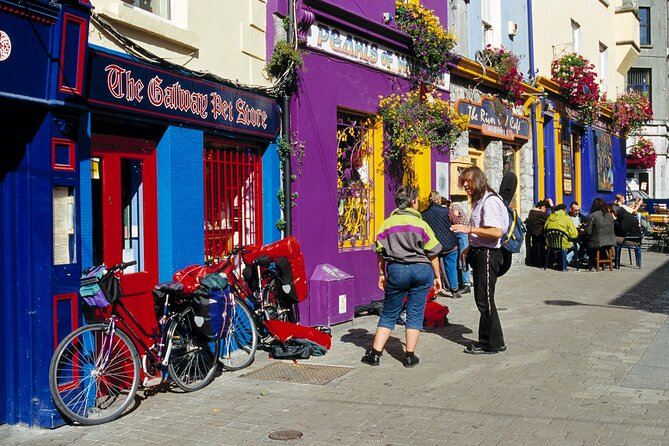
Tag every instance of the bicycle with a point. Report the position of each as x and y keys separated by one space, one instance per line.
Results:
x=94 y=372
x=256 y=300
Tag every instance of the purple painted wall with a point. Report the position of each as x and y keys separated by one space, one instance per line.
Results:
x=326 y=84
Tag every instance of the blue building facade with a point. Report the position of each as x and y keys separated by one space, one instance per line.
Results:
x=103 y=163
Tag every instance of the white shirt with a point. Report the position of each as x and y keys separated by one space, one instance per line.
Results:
x=489 y=211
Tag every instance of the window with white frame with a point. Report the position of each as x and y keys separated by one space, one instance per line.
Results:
x=603 y=67
x=576 y=37
x=161 y=8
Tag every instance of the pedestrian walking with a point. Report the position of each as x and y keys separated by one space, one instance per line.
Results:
x=437 y=216
x=488 y=222
x=408 y=267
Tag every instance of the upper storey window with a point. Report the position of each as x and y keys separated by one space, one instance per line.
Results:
x=160 y=8
x=644 y=25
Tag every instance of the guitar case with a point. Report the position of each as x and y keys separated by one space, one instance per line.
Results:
x=506 y=191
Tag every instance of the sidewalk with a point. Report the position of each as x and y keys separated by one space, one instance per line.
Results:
x=587 y=363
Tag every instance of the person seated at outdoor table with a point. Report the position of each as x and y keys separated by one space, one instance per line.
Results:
x=634 y=208
x=560 y=220
x=599 y=227
x=534 y=223
x=625 y=224
x=579 y=221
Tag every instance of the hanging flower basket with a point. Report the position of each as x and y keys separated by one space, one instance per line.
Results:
x=431 y=43
x=631 y=111
x=415 y=120
x=578 y=83
x=505 y=63
x=642 y=154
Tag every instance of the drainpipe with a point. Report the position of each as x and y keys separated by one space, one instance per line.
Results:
x=535 y=146
x=285 y=125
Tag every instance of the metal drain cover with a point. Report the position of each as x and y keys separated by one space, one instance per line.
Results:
x=298 y=373
x=285 y=435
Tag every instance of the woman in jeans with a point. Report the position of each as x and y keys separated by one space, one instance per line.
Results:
x=408 y=267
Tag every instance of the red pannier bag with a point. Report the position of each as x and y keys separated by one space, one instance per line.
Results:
x=287 y=255
x=191 y=276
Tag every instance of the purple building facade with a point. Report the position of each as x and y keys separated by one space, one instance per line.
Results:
x=352 y=56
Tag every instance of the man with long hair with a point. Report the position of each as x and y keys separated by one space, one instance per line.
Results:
x=489 y=221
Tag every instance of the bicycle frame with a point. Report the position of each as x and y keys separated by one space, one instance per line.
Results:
x=156 y=357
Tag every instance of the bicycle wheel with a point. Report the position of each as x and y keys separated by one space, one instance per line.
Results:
x=192 y=362
x=239 y=343
x=94 y=375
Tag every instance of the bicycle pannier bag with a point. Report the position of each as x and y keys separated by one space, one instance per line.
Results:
x=99 y=289
x=212 y=307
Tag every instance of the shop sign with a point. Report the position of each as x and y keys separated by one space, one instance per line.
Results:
x=354 y=48
x=132 y=86
x=498 y=122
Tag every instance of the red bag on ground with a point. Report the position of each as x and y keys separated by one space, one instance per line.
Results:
x=435 y=313
x=284 y=331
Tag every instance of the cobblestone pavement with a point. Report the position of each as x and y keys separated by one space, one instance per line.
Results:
x=573 y=338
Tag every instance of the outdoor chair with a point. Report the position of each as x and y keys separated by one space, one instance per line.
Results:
x=554 y=241
x=631 y=244
x=603 y=257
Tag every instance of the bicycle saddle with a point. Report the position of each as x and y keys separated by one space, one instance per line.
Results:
x=262 y=260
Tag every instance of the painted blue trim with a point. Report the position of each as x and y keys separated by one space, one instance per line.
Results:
x=180 y=177
x=271 y=180
x=549 y=159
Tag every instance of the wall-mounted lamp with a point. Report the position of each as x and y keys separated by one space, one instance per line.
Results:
x=387 y=17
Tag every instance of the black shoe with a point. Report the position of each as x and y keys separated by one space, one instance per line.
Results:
x=465 y=289
x=455 y=294
x=477 y=349
x=410 y=361
x=371 y=357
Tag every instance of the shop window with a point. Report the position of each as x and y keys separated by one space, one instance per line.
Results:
x=644 y=25
x=132 y=205
x=232 y=197
x=160 y=8
x=64 y=234
x=355 y=179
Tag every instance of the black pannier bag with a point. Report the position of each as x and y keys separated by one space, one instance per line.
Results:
x=211 y=307
x=286 y=290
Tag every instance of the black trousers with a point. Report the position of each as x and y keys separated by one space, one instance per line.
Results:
x=485 y=264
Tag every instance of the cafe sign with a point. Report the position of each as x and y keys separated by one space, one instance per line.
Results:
x=136 y=87
x=495 y=121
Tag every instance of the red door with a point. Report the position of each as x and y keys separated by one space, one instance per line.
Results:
x=125 y=218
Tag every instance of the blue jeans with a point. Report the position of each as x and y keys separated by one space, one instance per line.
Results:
x=463 y=242
x=412 y=280
x=450 y=267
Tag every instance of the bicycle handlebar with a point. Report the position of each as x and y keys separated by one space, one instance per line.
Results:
x=123 y=265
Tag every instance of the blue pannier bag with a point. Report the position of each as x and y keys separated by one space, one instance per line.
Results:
x=97 y=288
x=212 y=307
